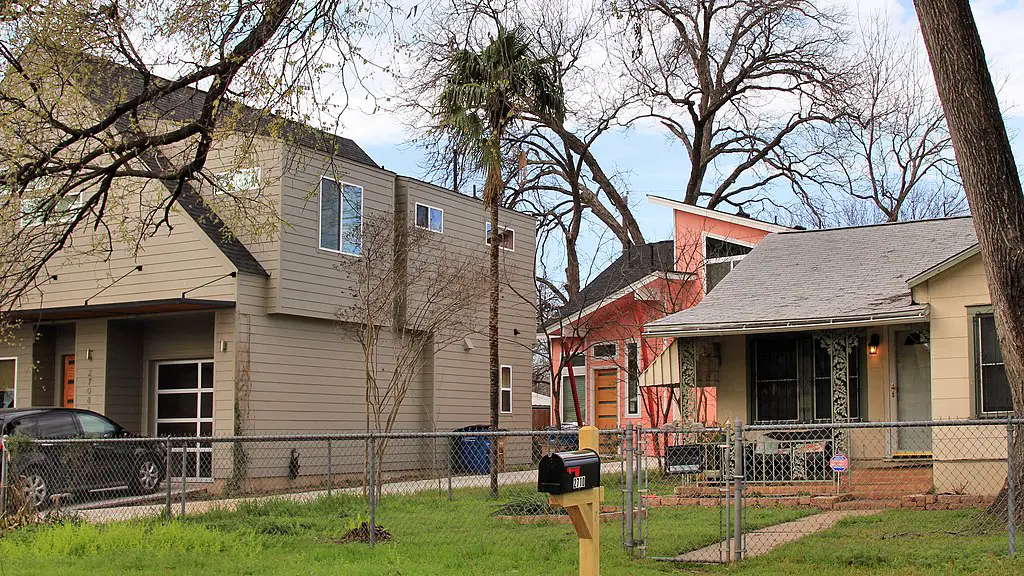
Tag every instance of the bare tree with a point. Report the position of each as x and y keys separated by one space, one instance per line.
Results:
x=737 y=83
x=414 y=295
x=889 y=149
x=990 y=177
x=98 y=101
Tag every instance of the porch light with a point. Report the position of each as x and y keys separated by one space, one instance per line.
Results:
x=873 y=344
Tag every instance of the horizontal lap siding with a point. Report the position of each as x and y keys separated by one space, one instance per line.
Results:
x=90 y=373
x=461 y=377
x=18 y=344
x=173 y=261
x=313 y=282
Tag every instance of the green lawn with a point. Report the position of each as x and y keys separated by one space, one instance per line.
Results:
x=432 y=536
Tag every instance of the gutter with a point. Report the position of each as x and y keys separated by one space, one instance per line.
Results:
x=830 y=323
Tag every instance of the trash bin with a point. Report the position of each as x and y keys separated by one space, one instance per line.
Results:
x=472 y=454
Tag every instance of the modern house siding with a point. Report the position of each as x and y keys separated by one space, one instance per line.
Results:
x=18 y=344
x=125 y=387
x=313 y=281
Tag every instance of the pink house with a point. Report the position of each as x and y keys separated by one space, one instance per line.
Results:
x=596 y=340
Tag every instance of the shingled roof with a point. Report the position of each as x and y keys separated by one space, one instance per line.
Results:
x=633 y=265
x=821 y=276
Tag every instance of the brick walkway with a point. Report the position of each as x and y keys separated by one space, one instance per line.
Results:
x=763 y=541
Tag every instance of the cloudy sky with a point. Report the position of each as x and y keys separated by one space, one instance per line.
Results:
x=653 y=162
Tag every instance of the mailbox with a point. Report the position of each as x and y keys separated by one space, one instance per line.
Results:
x=565 y=472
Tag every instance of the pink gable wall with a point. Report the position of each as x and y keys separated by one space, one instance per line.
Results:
x=622 y=320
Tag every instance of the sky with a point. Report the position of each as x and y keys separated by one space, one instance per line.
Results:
x=653 y=162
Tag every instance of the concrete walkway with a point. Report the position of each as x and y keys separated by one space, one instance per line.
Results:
x=126 y=511
x=763 y=541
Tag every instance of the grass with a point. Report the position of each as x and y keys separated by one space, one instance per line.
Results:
x=434 y=537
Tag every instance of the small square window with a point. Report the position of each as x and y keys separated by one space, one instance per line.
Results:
x=238 y=181
x=429 y=218
x=506 y=237
x=605 y=351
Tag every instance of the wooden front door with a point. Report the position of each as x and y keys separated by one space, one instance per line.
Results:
x=68 y=398
x=606 y=386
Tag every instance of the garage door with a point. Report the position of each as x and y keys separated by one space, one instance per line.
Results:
x=184 y=408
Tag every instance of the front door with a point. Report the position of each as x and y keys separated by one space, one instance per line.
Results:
x=68 y=378
x=913 y=390
x=606 y=405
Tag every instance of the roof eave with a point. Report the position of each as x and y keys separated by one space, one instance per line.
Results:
x=716 y=215
x=946 y=264
x=919 y=313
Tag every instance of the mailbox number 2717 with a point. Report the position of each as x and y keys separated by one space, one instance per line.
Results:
x=578 y=481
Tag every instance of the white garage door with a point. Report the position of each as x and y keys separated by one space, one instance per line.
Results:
x=184 y=407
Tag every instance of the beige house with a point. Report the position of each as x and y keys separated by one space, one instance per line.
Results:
x=203 y=332
x=881 y=323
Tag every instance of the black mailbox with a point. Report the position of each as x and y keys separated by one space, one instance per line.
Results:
x=564 y=472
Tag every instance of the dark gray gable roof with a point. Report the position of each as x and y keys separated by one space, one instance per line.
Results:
x=634 y=264
x=826 y=274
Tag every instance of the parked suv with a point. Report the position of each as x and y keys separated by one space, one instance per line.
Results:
x=44 y=469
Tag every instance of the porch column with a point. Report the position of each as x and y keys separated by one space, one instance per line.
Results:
x=839 y=344
x=690 y=352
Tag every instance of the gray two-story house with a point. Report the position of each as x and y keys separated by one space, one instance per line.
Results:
x=201 y=332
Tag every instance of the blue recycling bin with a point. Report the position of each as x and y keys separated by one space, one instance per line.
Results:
x=471 y=454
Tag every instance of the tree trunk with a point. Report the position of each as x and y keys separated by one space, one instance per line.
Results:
x=989 y=175
x=492 y=197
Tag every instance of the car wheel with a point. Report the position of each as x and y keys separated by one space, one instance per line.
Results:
x=35 y=489
x=146 y=478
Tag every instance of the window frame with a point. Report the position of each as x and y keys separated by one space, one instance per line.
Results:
x=429 y=208
x=629 y=374
x=14 y=401
x=613 y=356
x=218 y=188
x=502 y=388
x=733 y=260
x=61 y=220
x=487 y=236
x=974 y=315
x=198 y=447
x=341 y=216
x=582 y=371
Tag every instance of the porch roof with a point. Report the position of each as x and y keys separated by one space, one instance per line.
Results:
x=824 y=278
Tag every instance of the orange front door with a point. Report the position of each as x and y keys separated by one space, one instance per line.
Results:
x=606 y=386
x=69 y=381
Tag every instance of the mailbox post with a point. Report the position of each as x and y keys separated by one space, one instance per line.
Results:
x=572 y=480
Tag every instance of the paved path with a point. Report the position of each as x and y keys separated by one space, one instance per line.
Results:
x=763 y=541
x=126 y=511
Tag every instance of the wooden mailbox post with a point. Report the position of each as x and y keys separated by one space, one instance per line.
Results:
x=583 y=504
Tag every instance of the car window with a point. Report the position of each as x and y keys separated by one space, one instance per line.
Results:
x=24 y=426
x=95 y=426
x=56 y=425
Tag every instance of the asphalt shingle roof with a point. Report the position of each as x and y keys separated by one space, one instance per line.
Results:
x=826 y=274
x=634 y=264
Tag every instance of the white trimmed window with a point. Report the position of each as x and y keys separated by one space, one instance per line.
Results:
x=505 y=393
x=8 y=381
x=238 y=180
x=632 y=380
x=578 y=365
x=33 y=210
x=341 y=217
x=720 y=257
x=429 y=218
x=506 y=237
x=605 y=351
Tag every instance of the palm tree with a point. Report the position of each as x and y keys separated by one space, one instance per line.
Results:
x=484 y=93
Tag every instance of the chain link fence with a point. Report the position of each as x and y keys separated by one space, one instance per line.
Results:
x=685 y=495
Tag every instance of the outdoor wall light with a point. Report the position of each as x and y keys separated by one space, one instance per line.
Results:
x=873 y=344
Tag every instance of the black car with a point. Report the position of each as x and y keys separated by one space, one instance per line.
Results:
x=44 y=469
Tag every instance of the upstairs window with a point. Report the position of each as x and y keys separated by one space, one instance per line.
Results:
x=506 y=237
x=720 y=257
x=429 y=218
x=341 y=217
x=34 y=210
x=993 y=387
x=238 y=181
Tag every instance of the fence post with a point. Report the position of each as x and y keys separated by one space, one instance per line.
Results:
x=3 y=482
x=330 y=469
x=737 y=552
x=449 y=460
x=184 y=473
x=628 y=516
x=373 y=489
x=167 y=476
x=726 y=468
x=640 y=542
x=1011 y=492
